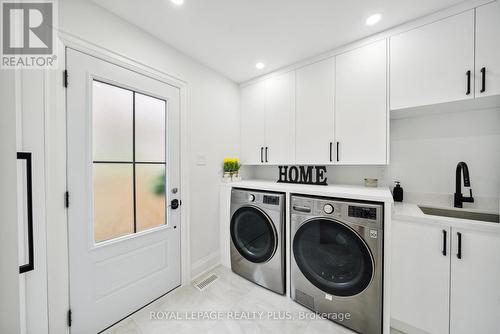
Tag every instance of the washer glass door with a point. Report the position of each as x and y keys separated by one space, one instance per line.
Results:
x=253 y=234
x=333 y=257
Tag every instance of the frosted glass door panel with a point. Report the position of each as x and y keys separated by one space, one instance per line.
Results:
x=150 y=195
x=112 y=122
x=113 y=201
x=149 y=128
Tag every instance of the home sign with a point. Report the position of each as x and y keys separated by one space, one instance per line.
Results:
x=303 y=175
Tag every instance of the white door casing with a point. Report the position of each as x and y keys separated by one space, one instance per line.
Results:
x=114 y=278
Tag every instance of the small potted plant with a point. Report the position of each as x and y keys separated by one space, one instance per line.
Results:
x=231 y=169
x=227 y=166
x=236 y=170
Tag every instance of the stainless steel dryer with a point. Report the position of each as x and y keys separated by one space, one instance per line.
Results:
x=257 y=237
x=337 y=261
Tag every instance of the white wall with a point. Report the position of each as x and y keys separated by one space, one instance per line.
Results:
x=213 y=103
x=424 y=153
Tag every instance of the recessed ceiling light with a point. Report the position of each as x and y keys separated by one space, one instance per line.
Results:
x=177 y=2
x=260 y=66
x=375 y=18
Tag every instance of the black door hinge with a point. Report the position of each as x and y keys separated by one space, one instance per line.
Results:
x=70 y=320
x=65 y=78
x=66 y=199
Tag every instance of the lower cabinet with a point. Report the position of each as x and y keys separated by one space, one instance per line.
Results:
x=445 y=279
x=420 y=283
x=475 y=282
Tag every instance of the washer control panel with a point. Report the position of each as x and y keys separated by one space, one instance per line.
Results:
x=359 y=212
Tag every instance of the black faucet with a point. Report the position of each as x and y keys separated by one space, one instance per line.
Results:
x=459 y=198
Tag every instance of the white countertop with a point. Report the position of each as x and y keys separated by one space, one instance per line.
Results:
x=380 y=194
x=411 y=212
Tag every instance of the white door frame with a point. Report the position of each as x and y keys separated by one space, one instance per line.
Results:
x=55 y=127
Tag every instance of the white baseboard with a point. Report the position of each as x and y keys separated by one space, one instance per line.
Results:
x=405 y=328
x=205 y=264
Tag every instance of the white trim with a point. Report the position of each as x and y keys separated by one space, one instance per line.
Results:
x=437 y=16
x=406 y=328
x=57 y=251
x=205 y=264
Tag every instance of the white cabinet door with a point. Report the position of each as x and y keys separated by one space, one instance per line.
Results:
x=429 y=64
x=488 y=49
x=315 y=100
x=360 y=107
x=279 y=119
x=252 y=123
x=420 y=275
x=475 y=296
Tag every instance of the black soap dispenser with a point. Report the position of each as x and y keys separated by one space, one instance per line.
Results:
x=397 y=192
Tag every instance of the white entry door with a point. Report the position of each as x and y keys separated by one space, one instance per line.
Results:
x=123 y=183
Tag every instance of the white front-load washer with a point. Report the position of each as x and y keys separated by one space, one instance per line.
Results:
x=257 y=237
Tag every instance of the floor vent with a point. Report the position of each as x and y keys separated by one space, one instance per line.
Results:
x=203 y=284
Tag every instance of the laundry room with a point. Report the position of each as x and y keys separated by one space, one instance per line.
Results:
x=235 y=166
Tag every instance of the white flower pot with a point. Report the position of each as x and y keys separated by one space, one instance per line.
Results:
x=226 y=177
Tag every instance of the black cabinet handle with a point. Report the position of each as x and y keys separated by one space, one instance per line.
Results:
x=468 y=83
x=29 y=194
x=459 y=252
x=266 y=153
x=331 y=149
x=444 y=242
x=338 y=147
x=262 y=154
x=483 y=80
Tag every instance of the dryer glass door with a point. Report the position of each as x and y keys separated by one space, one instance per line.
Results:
x=253 y=234
x=333 y=257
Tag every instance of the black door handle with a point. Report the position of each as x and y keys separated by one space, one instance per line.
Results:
x=459 y=252
x=444 y=242
x=338 y=147
x=29 y=196
x=483 y=80
x=261 y=154
x=331 y=149
x=174 y=204
x=266 y=154
x=468 y=83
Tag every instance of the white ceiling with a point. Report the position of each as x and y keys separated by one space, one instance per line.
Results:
x=230 y=36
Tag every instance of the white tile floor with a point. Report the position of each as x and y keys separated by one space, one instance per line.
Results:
x=230 y=293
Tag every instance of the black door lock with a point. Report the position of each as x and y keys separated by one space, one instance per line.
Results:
x=174 y=204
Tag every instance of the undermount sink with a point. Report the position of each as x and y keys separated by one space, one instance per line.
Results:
x=471 y=215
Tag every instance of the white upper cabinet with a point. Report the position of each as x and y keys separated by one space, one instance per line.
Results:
x=433 y=63
x=279 y=124
x=267 y=121
x=488 y=50
x=252 y=123
x=361 y=105
x=315 y=89
x=475 y=273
